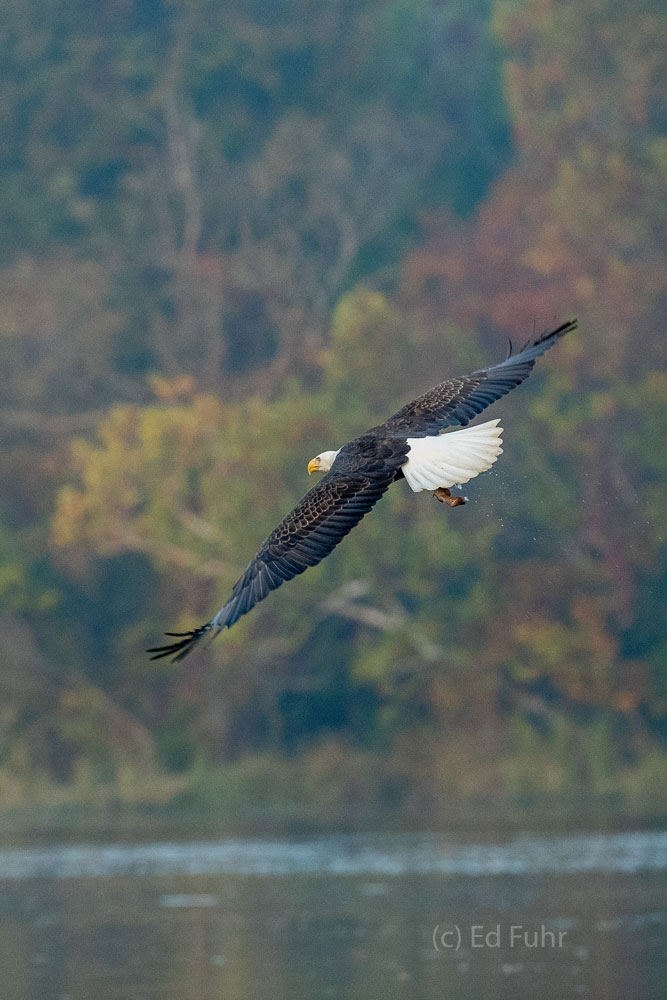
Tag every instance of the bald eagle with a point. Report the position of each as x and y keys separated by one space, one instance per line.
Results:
x=411 y=446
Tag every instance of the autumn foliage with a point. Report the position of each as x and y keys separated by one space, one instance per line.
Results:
x=235 y=258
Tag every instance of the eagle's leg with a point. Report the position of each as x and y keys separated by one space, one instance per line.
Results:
x=445 y=496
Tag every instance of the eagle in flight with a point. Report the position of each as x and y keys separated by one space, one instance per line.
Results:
x=410 y=445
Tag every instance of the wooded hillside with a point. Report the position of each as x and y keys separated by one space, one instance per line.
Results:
x=235 y=235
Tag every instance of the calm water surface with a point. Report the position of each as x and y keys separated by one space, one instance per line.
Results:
x=358 y=916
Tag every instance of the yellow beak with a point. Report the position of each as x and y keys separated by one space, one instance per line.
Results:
x=313 y=466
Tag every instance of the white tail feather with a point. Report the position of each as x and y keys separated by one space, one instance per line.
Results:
x=452 y=458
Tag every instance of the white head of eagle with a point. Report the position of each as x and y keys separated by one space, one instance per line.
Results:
x=322 y=462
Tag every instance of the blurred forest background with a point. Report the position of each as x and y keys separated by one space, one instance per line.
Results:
x=235 y=234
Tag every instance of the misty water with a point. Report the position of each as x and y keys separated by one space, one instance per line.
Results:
x=349 y=916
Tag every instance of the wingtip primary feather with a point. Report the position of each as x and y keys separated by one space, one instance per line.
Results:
x=179 y=650
x=549 y=337
x=527 y=354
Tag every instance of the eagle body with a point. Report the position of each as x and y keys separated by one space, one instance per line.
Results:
x=433 y=462
x=410 y=445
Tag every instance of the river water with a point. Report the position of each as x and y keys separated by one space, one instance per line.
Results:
x=343 y=916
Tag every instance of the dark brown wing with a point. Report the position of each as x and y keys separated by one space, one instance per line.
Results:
x=308 y=534
x=458 y=400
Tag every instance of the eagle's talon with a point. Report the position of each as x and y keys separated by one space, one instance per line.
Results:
x=445 y=496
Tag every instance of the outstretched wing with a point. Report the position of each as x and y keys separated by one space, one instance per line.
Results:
x=319 y=521
x=458 y=400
